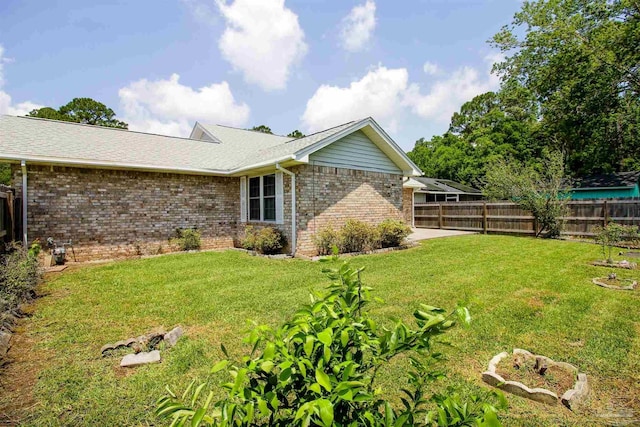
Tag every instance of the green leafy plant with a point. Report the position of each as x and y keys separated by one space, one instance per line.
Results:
x=326 y=240
x=266 y=240
x=358 y=236
x=188 y=239
x=392 y=232
x=612 y=235
x=19 y=276
x=319 y=368
x=35 y=248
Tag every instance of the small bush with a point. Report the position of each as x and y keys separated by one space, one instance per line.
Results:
x=358 y=236
x=188 y=239
x=326 y=239
x=19 y=275
x=613 y=235
x=319 y=368
x=267 y=240
x=392 y=232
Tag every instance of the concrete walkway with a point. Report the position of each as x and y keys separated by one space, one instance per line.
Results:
x=434 y=233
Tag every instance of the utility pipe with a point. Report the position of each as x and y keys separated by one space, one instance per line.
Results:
x=294 y=230
x=25 y=241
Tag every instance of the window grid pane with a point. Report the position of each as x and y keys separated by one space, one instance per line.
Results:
x=269 y=208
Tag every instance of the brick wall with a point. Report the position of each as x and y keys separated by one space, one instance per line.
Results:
x=407 y=205
x=112 y=213
x=330 y=196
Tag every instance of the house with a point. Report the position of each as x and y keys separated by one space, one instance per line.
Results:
x=610 y=186
x=116 y=192
x=426 y=190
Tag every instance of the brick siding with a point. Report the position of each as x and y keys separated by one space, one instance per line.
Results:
x=407 y=205
x=111 y=214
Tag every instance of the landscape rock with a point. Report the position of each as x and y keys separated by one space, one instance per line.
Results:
x=144 y=358
x=172 y=337
x=5 y=339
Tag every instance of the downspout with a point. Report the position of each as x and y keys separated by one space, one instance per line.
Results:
x=23 y=165
x=294 y=230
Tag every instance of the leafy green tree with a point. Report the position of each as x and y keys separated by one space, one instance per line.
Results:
x=296 y=134
x=82 y=110
x=5 y=173
x=580 y=61
x=542 y=190
x=263 y=129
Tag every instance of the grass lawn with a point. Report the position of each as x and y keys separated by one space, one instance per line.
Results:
x=532 y=294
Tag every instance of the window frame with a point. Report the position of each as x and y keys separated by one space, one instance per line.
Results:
x=261 y=197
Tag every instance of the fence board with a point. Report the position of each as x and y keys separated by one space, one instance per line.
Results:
x=509 y=218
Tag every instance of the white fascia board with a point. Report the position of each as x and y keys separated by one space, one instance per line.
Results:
x=55 y=161
x=390 y=148
x=264 y=164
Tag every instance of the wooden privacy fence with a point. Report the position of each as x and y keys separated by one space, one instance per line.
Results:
x=9 y=223
x=509 y=218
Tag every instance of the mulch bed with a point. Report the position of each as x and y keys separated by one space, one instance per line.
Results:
x=521 y=369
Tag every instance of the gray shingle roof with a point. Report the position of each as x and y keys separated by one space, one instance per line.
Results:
x=446 y=185
x=51 y=141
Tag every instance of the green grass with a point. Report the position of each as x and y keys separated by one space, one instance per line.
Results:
x=525 y=293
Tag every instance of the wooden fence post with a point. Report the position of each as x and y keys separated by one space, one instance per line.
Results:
x=605 y=208
x=484 y=218
x=439 y=215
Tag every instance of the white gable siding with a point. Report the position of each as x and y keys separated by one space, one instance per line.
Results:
x=354 y=151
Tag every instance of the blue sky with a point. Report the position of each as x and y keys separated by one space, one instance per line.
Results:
x=300 y=64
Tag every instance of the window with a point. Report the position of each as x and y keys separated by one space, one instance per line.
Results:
x=262 y=198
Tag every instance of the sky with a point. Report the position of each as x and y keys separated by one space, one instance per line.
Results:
x=162 y=65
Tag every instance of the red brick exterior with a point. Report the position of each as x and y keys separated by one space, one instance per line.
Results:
x=407 y=205
x=111 y=213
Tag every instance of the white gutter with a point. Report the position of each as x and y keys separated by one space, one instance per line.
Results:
x=294 y=229
x=23 y=164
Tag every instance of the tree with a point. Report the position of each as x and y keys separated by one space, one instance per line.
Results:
x=82 y=110
x=538 y=190
x=296 y=134
x=580 y=61
x=489 y=127
x=5 y=173
x=262 y=128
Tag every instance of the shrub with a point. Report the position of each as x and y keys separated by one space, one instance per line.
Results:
x=612 y=235
x=267 y=240
x=358 y=236
x=188 y=239
x=320 y=367
x=19 y=275
x=326 y=240
x=392 y=232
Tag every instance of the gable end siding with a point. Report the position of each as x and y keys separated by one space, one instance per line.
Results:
x=354 y=151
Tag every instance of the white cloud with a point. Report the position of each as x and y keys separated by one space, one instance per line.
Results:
x=6 y=105
x=445 y=96
x=358 y=26
x=262 y=39
x=431 y=68
x=170 y=108
x=378 y=94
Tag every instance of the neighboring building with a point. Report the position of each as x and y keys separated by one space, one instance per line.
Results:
x=427 y=190
x=619 y=185
x=117 y=192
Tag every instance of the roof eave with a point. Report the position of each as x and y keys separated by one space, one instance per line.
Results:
x=53 y=161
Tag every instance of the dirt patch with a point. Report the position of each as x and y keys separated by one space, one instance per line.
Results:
x=20 y=369
x=526 y=371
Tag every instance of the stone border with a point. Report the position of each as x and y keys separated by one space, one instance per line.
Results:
x=618 y=264
x=569 y=399
x=630 y=287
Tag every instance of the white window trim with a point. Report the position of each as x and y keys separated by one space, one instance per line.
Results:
x=278 y=196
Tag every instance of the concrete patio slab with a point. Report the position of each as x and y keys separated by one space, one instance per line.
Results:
x=434 y=233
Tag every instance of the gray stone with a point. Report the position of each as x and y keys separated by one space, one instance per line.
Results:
x=492 y=379
x=171 y=337
x=131 y=360
x=5 y=338
x=495 y=360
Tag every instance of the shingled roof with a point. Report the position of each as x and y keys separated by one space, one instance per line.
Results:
x=620 y=179
x=220 y=150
